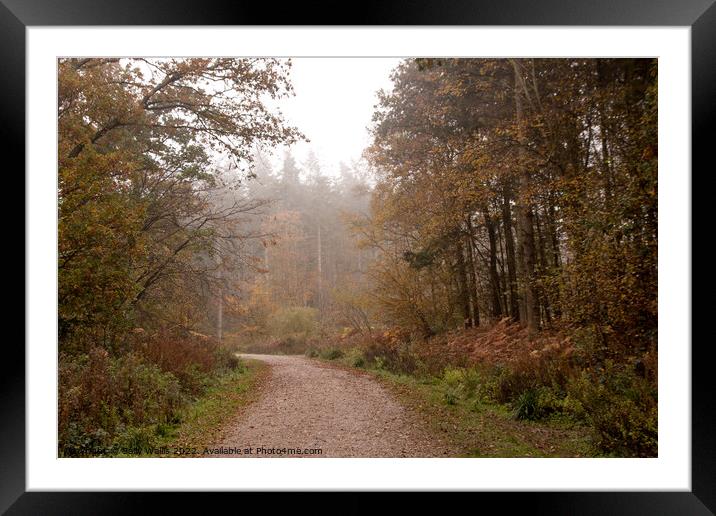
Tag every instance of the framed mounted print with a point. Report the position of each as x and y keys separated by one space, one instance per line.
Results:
x=447 y=249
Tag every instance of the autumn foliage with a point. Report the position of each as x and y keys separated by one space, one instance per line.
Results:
x=515 y=214
x=520 y=188
x=500 y=235
x=150 y=155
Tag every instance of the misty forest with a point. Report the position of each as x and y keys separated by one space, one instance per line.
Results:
x=480 y=282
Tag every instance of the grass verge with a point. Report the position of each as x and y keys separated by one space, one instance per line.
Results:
x=479 y=428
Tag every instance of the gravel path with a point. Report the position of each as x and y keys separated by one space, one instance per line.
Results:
x=306 y=404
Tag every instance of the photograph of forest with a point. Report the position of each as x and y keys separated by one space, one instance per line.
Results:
x=357 y=257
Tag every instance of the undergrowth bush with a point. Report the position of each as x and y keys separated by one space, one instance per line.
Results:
x=293 y=344
x=527 y=405
x=452 y=378
x=192 y=358
x=100 y=397
x=472 y=383
x=394 y=351
x=114 y=402
x=331 y=354
x=621 y=407
x=355 y=358
x=293 y=321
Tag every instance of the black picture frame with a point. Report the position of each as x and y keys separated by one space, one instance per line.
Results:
x=700 y=15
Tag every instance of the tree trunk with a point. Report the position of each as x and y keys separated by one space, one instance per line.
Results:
x=320 y=272
x=220 y=309
x=502 y=272
x=494 y=277
x=510 y=250
x=472 y=273
x=463 y=283
x=523 y=207
x=543 y=294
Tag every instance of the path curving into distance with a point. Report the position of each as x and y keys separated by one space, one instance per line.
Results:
x=308 y=405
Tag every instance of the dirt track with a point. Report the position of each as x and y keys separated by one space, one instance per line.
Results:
x=306 y=404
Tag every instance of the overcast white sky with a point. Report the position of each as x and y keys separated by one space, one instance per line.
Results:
x=333 y=106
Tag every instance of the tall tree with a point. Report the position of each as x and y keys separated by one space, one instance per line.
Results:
x=145 y=147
